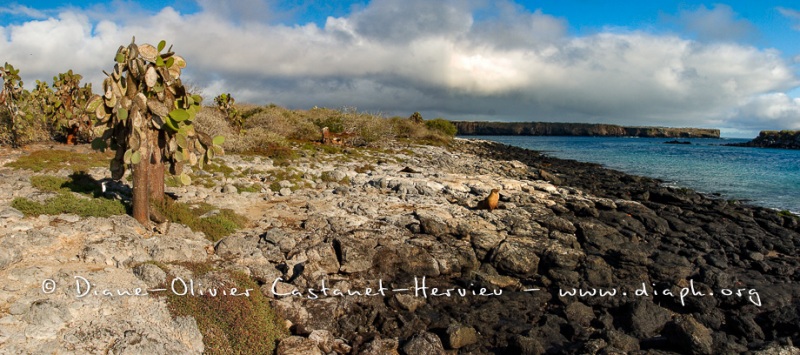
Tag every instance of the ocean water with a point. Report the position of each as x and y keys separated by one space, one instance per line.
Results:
x=764 y=177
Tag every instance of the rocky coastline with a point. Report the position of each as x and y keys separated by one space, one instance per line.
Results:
x=773 y=139
x=385 y=252
x=471 y=128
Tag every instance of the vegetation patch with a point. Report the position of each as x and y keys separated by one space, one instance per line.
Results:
x=248 y=188
x=54 y=160
x=364 y=168
x=202 y=217
x=68 y=202
x=230 y=324
x=78 y=194
x=78 y=182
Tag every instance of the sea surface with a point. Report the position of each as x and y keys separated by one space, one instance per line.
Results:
x=760 y=176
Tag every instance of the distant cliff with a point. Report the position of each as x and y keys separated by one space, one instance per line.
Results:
x=774 y=139
x=577 y=129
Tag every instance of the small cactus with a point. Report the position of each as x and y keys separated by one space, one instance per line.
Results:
x=225 y=105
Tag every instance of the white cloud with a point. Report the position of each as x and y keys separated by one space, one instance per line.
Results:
x=438 y=58
x=791 y=14
x=769 y=111
x=717 y=23
x=21 y=10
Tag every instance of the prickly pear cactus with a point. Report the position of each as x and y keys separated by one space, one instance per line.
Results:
x=66 y=107
x=9 y=97
x=143 y=94
x=225 y=105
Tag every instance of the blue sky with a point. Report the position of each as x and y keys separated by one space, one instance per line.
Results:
x=732 y=65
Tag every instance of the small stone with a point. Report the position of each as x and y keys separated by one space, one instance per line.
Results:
x=297 y=345
x=459 y=336
x=756 y=256
x=409 y=302
x=284 y=183
x=229 y=189
x=285 y=191
x=323 y=339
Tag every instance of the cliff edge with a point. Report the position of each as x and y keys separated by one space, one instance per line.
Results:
x=578 y=129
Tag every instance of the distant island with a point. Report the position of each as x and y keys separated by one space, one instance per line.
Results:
x=773 y=139
x=470 y=128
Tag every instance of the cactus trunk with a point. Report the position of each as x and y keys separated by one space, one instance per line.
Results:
x=141 y=193
x=157 y=171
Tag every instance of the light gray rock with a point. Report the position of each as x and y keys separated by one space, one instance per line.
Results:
x=11 y=213
x=116 y=250
x=151 y=274
x=323 y=257
x=168 y=249
x=9 y=256
x=285 y=191
x=236 y=246
x=356 y=252
x=45 y=319
x=517 y=256
x=424 y=343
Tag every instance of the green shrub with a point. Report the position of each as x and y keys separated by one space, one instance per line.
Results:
x=77 y=182
x=442 y=125
x=231 y=324
x=215 y=227
x=55 y=159
x=67 y=202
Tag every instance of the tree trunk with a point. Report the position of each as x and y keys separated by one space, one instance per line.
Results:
x=141 y=187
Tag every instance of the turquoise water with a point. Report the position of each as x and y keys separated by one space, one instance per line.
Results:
x=765 y=177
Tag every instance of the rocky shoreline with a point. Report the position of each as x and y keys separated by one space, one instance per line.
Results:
x=773 y=139
x=393 y=225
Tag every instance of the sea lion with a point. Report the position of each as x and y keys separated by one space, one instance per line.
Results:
x=490 y=202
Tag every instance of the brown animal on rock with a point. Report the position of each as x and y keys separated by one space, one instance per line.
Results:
x=490 y=202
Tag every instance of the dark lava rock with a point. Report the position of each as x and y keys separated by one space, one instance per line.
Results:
x=646 y=319
x=688 y=335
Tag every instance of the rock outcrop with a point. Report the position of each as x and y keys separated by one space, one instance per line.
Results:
x=773 y=139
x=468 y=128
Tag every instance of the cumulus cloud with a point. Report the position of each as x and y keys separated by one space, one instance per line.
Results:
x=771 y=110
x=715 y=24
x=438 y=58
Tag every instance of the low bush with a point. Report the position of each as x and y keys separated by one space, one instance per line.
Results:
x=230 y=324
x=68 y=202
x=215 y=226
